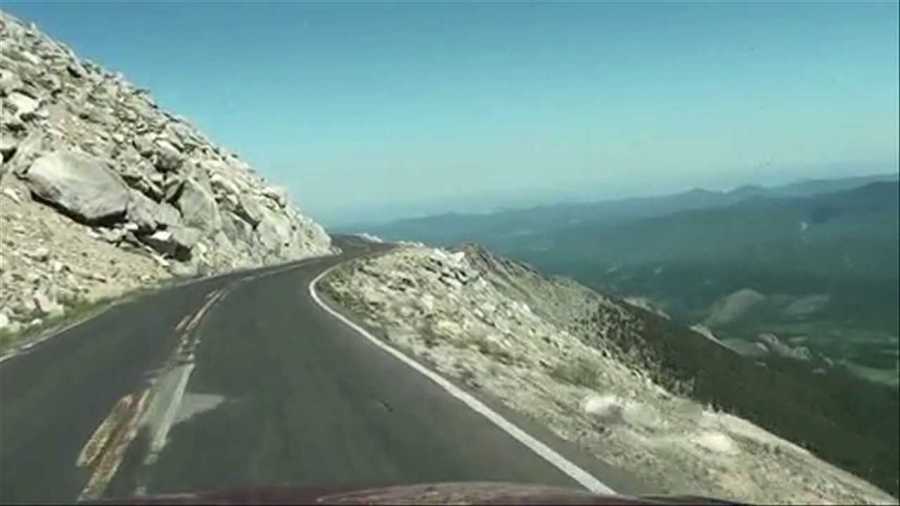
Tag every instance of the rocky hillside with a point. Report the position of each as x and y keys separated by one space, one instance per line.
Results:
x=102 y=191
x=558 y=353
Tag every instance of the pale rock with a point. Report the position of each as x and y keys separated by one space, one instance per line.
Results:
x=221 y=184
x=9 y=81
x=111 y=235
x=23 y=104
x=41 y=254
x=176 y=242
x=277 y=194
x=168 y=157
x=182 y=270
x=27 y=150
x=8 y=145
x=198 y=207
x=12 y=195
x=142 y=212
x=250 y=210
x=79 y=184
x=167 y=215
x=47 y=306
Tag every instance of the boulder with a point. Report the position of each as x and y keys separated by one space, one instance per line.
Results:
x=25 y=153
x=250 y=210
x=111 y=235
x=183 y=134
x=274 y=231
x=198 y=207
x=222 y=185
x=23 y=104
x=276 y=193
x=142 y=212
x=186 y=237
x=168 y=157
x=12 y=195
x=237 y=230
x=8 y=145
x=9 y=81
x=75 y=70
x=143 y=144
x=80 y=185
x=40 y=254
x=167 y=215
x=161 y=241
x=176 y=242
x=45 y=305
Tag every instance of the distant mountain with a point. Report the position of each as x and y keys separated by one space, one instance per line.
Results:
x=821 y=269
x=499 y=228
x=815 y=186
x=748 y=228
x=822 y=255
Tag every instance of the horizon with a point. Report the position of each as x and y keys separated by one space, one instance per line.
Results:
x=342 y=227
x=404 y=110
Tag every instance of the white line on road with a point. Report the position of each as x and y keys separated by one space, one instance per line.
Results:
x=578 y=474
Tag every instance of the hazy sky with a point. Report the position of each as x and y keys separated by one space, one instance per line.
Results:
x=368 y=111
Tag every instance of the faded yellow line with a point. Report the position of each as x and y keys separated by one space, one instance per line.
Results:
x=99 y=439
x=199 y=315
x=105 y=449
x=109 y=449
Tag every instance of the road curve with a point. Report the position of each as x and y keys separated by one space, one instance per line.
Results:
x=235 y=381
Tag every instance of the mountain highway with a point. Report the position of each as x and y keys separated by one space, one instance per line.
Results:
x=244 y=380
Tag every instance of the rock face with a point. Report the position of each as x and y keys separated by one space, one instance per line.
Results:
x=94 y=171
x=547 y=348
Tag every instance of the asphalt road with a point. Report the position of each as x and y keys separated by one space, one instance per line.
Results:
x=237 y=380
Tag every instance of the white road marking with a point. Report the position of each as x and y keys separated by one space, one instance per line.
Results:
x=181 y=324
x=578 y=474
x=158 y=440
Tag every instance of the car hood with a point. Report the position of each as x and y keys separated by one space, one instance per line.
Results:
x=434 y=493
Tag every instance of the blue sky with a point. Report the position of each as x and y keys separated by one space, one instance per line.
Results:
x=372 y=111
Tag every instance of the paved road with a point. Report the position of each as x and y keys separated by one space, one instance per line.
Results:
x=237 y=380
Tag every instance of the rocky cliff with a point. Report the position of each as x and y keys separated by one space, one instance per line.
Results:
x=101 y=190
x=559 y=353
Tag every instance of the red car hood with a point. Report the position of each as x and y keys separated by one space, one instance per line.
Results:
x=438 y=493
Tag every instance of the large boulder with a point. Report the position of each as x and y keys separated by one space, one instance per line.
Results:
x=237 y=230
x=168 y=157
x=275 y=231
x=198 y=207
x=23 y=104
x=221 y=184
x=167 y=215
x=81 y=185
x=250 y=210
x=143 y=212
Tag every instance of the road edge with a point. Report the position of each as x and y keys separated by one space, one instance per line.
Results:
x=550 y=455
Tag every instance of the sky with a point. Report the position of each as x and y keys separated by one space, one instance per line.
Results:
x=373 y=111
